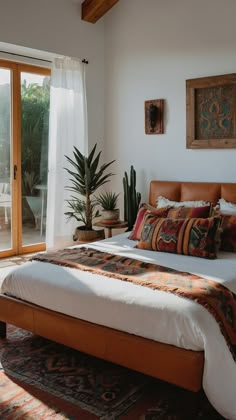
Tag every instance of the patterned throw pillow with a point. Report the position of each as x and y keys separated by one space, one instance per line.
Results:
x=228 y=235
x=194 y=236
x=183 y=212
x=144 y=209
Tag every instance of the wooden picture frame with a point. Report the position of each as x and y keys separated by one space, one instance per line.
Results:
x=154 y=112
x=211 y=112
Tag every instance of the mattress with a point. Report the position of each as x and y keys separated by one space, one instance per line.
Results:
x=140 y=310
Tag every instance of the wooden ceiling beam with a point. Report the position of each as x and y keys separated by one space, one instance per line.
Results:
x=92 y=10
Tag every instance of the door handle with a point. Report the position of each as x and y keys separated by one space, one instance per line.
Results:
x=15 y=171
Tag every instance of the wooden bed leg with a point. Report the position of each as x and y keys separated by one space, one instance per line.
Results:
x=3 y=329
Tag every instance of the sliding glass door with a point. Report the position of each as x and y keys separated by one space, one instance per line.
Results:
x=24 y=117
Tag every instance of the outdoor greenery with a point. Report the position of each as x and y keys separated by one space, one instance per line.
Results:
x=34 y=134
x=86 y=177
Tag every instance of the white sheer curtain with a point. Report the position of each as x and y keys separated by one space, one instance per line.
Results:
x=67 y=128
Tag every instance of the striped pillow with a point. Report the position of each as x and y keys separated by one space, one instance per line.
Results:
x=195 y=236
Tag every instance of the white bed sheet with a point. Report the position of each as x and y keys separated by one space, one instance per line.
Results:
x=140 y=310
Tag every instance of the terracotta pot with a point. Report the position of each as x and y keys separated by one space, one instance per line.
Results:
x=83 y=235
x=110 y=216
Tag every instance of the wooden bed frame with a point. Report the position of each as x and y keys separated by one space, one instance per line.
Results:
x=172 y=364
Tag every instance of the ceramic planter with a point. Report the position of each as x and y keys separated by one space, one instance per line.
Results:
x=110 y=216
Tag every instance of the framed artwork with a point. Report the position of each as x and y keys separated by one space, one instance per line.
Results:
x=154 y=110
x=211 y=112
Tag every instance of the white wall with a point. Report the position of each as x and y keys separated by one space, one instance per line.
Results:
x=151 y=48
x=55 y=26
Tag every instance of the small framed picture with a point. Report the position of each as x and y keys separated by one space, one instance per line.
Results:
x=154 y=110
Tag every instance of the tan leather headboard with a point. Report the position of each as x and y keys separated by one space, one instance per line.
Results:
x=185 y=191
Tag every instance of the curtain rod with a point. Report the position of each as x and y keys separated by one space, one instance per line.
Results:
x=34 y=58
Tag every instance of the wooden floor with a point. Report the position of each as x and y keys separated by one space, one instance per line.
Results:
x=14 y=261
x=30 y=236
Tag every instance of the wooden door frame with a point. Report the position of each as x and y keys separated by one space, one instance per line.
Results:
x=16 y=228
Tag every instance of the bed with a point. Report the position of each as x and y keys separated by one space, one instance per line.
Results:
x=184 y=361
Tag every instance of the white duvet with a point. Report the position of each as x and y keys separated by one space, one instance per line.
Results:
x=139 y=310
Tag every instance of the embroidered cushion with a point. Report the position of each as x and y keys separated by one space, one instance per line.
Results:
x=195 y=236
x=164 y=202
x=183 y=212
x=138 y=226
x=228 y=235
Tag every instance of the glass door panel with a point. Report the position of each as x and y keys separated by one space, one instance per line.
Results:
x=34 y=155
x=5 y=161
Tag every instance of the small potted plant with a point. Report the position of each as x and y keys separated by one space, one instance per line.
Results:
x=108 y=202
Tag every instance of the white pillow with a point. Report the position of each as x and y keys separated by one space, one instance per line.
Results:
x=164 y=202
x=226 y=207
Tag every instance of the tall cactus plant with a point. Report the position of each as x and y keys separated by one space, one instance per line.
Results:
x=131 y=198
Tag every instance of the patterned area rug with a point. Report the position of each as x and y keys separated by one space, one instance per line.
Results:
x=40 y=379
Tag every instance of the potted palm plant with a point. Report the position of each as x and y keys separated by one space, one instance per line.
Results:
x=86 y=177
x=108 y=202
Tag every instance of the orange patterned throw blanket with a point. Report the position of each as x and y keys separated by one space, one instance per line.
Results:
x=216 y=298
